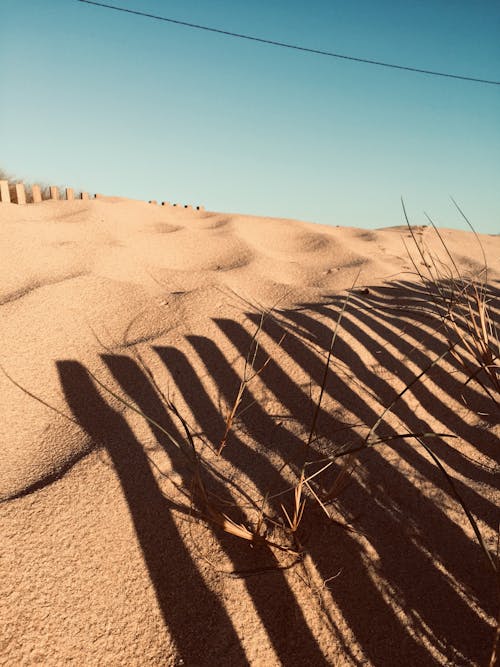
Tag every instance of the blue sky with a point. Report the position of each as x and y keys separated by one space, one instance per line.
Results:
x=125 y=105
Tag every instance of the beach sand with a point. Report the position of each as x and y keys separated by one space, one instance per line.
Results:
x=104 y=561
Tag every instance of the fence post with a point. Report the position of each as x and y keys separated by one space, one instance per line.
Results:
x=70 y=194
x=36 y=194
x=20 y=193
x=54 y=192
x=4 y=192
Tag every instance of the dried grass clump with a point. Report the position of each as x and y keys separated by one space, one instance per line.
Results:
x=463 y=305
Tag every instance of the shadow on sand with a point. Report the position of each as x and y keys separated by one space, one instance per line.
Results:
x=425 y=597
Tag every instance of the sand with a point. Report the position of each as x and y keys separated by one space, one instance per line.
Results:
x=104 y=561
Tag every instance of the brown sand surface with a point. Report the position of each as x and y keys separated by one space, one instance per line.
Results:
x=102 y=560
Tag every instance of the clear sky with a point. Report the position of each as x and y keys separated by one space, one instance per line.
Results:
x=124 y=105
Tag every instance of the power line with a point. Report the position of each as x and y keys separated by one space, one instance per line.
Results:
x=292 y=46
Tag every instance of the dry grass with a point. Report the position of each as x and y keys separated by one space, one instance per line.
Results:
x=474 y=344
x=249 y=374
x=463 y=306
x=208 y=505
x=462 y=303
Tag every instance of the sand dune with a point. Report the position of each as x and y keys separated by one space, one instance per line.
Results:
x=102 y=561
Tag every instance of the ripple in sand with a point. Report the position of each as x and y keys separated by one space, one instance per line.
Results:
x=162 y=228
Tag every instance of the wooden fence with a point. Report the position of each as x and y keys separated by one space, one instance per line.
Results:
x=15 y=193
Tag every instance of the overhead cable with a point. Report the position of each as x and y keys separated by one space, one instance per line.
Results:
x=292 y=46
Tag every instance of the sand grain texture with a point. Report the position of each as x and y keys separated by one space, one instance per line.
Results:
x=102 y=562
